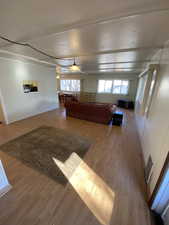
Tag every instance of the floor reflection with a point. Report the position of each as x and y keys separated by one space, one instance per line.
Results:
x=95 y=193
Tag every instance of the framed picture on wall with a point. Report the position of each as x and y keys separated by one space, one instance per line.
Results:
x=30 y=86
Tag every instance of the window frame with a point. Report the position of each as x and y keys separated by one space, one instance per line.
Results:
x=121 y=87
x=104 y=92
x=113 y=86
x=70 y=90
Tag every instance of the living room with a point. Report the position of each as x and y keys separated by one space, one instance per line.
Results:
x=84 y=112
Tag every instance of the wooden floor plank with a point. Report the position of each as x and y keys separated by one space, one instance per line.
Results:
x=115 y=156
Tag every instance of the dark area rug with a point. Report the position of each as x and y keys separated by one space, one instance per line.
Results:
x=37 y=148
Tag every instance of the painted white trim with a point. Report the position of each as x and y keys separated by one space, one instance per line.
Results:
x=162 y=198
x=144 y=72
x=165 y=211
x=30 y=59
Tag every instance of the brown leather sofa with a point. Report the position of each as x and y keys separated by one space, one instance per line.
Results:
x=96 y=112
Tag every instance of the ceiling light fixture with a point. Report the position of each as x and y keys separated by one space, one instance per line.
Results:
x=75 y=67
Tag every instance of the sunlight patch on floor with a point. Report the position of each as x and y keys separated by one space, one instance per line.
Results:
x=95 y=193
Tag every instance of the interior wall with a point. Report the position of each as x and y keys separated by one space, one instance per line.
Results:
x=19 y=105
x=90 y=84
x=154 y=128
x=1 y=113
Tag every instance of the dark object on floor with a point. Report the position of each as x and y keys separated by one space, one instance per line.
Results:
x=117 y=118
x=38 y=147
x=125 y=104
x=121 y=103
x=130 y=105
x=92 y=111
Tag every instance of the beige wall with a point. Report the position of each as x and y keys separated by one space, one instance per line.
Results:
x=154 y=128
x=90 y=84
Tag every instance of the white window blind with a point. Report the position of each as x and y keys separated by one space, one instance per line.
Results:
x=70 y=85
x=105 y=86
x=113 y=86
x=120 y=87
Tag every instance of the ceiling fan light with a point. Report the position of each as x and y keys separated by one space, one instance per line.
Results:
x=75 y=68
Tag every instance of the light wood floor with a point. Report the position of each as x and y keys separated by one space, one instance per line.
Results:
x=115 y=157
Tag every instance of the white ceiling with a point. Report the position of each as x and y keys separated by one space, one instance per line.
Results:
x=104 y=36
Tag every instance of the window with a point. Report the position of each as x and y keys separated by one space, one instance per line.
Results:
x=151 y=91
x=70 y=85
x=105 y=86
x=141 y=89
x=120 y=87
x=113 y=86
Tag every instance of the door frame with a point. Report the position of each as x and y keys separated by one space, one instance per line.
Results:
x=2 y=105
x=159 y=181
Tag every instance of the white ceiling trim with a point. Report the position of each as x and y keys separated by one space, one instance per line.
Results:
x=23 y=57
